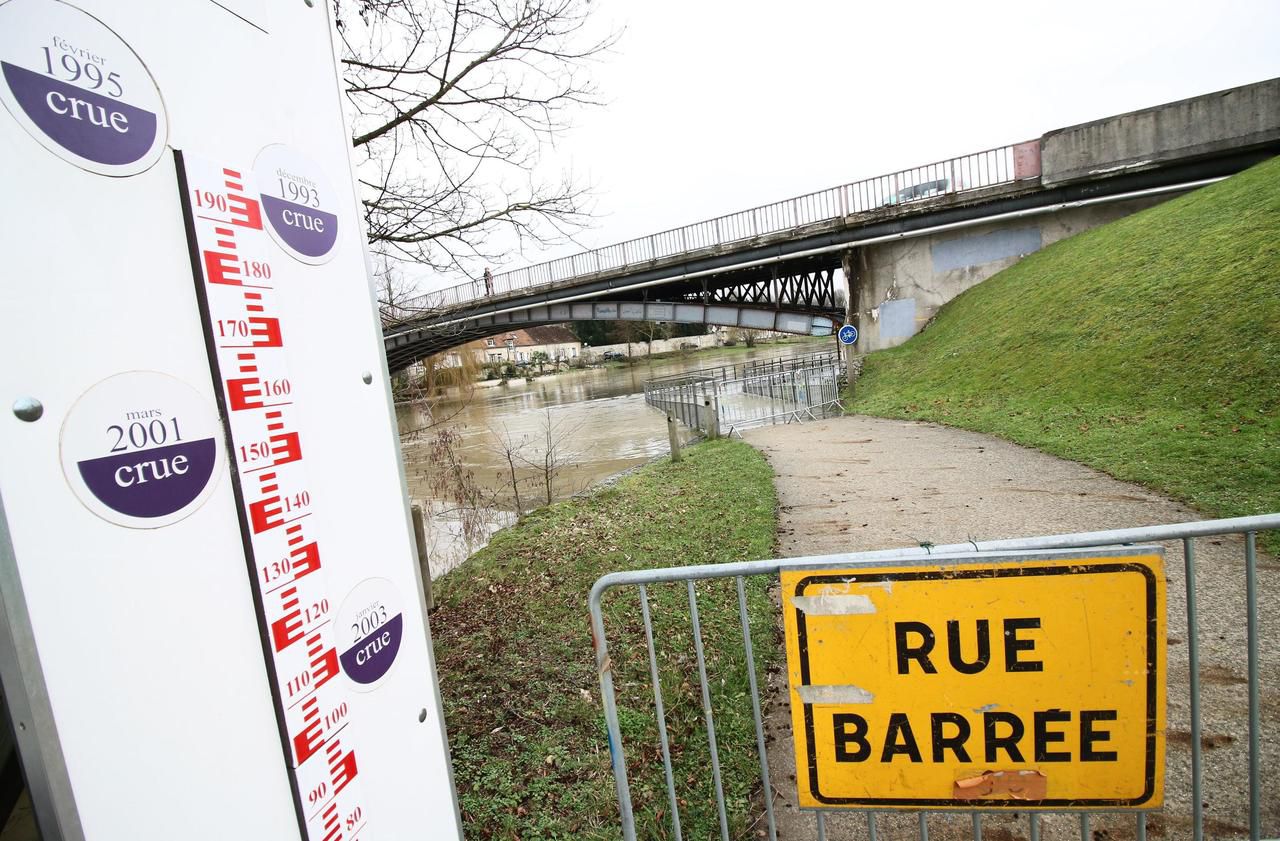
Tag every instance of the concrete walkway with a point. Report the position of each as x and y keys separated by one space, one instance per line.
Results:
x=859 y=483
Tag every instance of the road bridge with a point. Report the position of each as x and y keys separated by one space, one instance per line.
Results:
x=883 y=253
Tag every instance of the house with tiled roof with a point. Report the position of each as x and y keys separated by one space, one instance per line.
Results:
x=519 y=346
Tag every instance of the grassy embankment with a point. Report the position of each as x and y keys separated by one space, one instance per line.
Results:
x=513 y=647
x=1148 y=348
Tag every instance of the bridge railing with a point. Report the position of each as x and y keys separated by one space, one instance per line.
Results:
x=749 y=368
x=988 y=168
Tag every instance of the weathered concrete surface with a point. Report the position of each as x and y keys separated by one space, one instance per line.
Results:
x=858 y=483
x=1224 y=121
x=896 y=287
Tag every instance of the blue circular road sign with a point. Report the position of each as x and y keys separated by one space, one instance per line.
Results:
x=848 y=334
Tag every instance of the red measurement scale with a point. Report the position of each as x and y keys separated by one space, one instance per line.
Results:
x=243 y=282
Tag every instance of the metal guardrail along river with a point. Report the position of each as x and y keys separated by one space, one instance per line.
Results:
x=727 y=399
x=979 y=170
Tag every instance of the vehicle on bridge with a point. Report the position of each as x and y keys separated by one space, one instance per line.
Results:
x=924 y=189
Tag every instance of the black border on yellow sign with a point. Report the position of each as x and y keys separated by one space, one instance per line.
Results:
x=1082 y=568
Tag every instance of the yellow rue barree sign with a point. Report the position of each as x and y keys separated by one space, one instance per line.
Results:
x=1017 y=682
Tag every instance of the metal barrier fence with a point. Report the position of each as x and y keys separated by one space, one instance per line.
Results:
x=979 y=170
x=748 y=368
x=1185 y=533
x=727 y=399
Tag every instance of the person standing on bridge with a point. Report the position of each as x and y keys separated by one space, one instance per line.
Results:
x=488 y=282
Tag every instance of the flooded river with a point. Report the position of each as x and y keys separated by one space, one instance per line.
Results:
x=557 y=436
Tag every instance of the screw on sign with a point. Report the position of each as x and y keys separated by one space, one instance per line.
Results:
x=1019 y=683
x=245 y=287
x=78 y=89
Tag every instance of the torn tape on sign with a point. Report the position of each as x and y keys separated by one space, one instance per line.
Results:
x=1014 y=785
x=834 y=695
x=834 y=605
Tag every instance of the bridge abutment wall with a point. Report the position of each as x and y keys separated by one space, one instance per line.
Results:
x=895 y=288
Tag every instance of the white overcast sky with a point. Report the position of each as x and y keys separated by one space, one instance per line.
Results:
x=716 y=106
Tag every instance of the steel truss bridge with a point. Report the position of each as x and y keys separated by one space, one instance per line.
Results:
x=756 y=268
x=799 y=297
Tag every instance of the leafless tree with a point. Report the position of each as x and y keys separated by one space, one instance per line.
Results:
x=554 y=451
x=454 y=103
x=425 y=382
x=648 y=331
x=395 y=293
x=510 y=450
x=747 y=335
x=629 y=332
x=452 y=481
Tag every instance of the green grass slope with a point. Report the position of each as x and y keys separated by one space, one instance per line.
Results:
x=1148 y=348
x=518 y=675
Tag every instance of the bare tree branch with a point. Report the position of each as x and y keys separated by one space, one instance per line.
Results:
x=454 y=102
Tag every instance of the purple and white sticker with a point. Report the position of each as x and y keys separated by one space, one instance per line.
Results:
x=78 y=89
x=370 y=628
x=142 y=449
x=299 y=203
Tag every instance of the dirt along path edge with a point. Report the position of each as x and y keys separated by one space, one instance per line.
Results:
x=858 y=483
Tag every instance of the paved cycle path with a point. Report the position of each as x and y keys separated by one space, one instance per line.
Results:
x=858 y=483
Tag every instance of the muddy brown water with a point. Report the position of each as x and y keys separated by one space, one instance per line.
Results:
x=596 y=416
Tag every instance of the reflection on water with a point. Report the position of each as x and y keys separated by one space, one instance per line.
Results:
x=552 y=437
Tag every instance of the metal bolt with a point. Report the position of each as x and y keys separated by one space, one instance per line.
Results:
x=28 y=409
x=422 y=716
x=367 y=377
x=309 y=2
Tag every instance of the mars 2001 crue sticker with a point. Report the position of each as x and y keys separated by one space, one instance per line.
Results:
x=299 y=203
x=142 y=449
x=370 y=627
x=78 y=89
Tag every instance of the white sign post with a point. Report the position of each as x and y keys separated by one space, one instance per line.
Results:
x=212 y=616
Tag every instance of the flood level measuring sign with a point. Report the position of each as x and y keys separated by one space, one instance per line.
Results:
x=245 y=281
x=1032 y=681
